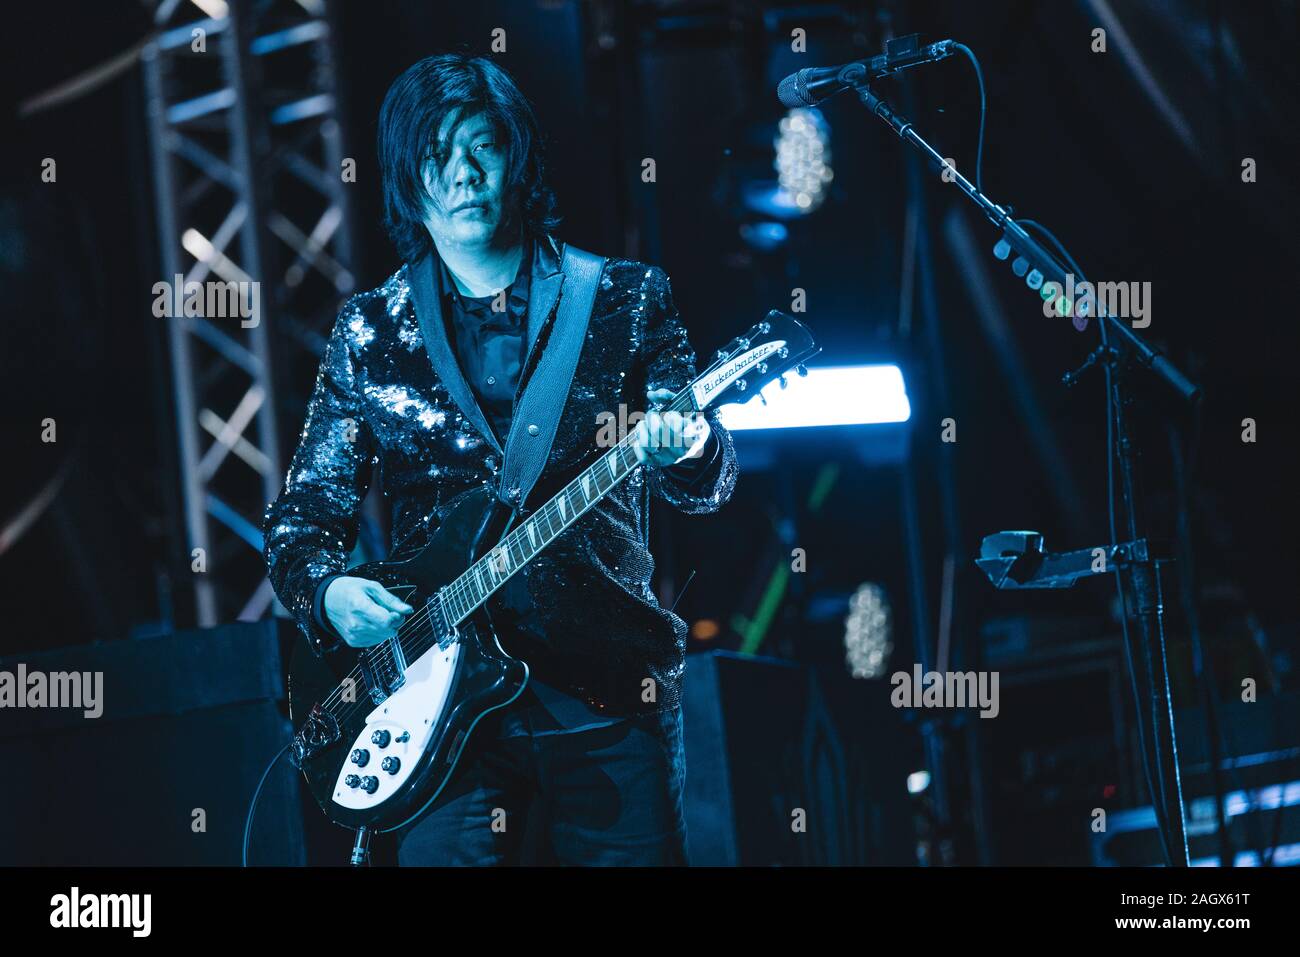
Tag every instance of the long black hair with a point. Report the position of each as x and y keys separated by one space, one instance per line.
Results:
x=414 y=108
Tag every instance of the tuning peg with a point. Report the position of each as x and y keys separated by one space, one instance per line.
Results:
x=801 y=369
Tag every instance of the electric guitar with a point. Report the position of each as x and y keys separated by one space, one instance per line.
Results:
x=380 y=729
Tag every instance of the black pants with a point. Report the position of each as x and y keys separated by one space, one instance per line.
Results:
x=610 y=795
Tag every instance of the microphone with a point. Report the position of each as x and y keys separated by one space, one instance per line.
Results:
x=813 y=84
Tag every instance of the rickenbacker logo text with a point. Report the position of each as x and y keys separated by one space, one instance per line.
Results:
x=724 y=376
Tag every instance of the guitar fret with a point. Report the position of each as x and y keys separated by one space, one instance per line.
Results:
x=518 y=547
x=460 y=598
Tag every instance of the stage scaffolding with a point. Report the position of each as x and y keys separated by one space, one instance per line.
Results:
x=249 y=177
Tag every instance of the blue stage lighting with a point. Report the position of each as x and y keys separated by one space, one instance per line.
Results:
x=830 y=395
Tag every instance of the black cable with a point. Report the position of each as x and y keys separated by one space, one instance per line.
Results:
x=1157 y=802
x=979 y=149
x=252 y=807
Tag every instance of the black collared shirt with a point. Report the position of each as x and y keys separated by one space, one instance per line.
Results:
x=489 y=335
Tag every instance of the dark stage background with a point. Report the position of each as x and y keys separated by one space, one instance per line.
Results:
x=1133 y=157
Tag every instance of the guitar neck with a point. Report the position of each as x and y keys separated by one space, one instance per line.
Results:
x=518 y=547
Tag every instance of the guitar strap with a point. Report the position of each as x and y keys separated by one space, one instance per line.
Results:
x=537 y=417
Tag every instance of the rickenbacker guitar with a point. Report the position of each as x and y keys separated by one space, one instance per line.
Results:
x=379 y=730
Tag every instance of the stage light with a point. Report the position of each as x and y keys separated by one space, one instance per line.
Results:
x=216 y=9
x=829 y=395
x=765 y=237
x=803 y=158
x=918 y=781
x=802 y=161
x=868 y=632
x=705 y=629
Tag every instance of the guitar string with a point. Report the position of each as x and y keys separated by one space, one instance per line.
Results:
x=459 y=592
x=419 y=648
x=462 y=593
x=463 y=596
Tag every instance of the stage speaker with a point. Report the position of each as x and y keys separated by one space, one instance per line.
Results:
x=163 y=773
x=787 y=766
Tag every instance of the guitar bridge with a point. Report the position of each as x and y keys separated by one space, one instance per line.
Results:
x=384 y=672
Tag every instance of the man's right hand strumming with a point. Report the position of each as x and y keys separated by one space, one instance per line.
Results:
x=363 y=612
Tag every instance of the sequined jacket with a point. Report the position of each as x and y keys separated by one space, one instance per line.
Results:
x=380 y=399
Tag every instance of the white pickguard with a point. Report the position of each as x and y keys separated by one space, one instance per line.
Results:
x=416 y=709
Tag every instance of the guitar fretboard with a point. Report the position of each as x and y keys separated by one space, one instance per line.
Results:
x=518 y=547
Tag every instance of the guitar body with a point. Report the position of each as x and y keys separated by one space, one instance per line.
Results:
x=380 y=730
x=401 y=730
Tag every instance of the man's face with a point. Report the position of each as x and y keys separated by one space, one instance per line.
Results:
x=463 y=172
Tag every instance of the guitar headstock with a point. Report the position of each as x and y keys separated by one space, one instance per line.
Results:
x=742 y=368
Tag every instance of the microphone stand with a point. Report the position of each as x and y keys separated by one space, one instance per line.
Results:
x=1138 y=578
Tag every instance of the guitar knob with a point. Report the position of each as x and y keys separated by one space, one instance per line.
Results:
x=390 y=764
x=762 y=367
x=381 y=738
x=370 y=784
x=741 y=385
x=801 y=369
x=352 y=781
x=360 y=757
x=781 y=379
x=764 y=326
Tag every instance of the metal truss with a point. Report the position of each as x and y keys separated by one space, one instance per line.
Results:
x=246 y=159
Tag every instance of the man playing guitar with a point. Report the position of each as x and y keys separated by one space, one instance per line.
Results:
x=423 y=376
